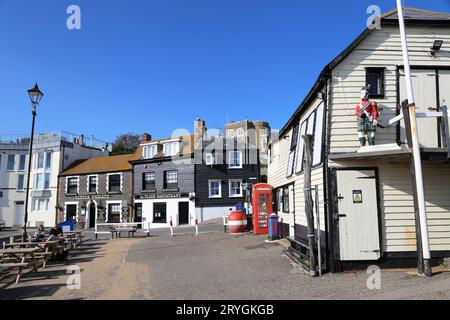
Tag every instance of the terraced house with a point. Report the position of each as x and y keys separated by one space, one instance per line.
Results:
x=97 y=190
x=365 y=197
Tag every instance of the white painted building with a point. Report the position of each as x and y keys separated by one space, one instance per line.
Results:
x=366 y=198
x=52 y=153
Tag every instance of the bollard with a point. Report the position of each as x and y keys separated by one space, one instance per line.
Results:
x=11 y=239
x=4 y=245
x=171 y=227
x=225 y=224
x=196 y=227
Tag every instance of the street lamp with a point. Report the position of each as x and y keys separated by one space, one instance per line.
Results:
x=35 y=96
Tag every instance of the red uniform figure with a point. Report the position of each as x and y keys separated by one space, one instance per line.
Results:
x=367 y=113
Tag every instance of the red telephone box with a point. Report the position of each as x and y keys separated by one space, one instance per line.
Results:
x=262 y=207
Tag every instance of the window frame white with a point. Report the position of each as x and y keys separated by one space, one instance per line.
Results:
x=210 y=159
x=121 y=182
x=67 y=184
x=241 y=194
x=241 y=165
x=219 y=196
x=88 y=183
x=23 y=182
x=114 y=202
x=13 y=157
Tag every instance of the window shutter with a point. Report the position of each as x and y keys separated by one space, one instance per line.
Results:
x=318 y=135
x=300 y=149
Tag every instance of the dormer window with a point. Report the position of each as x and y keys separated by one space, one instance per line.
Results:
x=171 y=149
x=150 y=151
x=210 y=159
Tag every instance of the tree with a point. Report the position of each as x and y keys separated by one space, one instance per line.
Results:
x=126 y=143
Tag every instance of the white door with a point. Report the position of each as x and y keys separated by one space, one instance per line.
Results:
x=424 y=83
x=358 y=215
x=19 y=214
x=444 y=89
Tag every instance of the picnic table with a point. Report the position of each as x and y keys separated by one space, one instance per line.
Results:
x=21 y=259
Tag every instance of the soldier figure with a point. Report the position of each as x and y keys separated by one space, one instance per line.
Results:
x=367 y=113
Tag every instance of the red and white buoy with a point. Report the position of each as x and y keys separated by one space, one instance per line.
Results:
x=196 y=226
x=237 y=222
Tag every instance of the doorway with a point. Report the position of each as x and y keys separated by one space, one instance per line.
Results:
x=359 y=231
x=138 y=218
x=92 y=215
x=159 y=213
x=19 y=214
x=71 y=212
x=183 y=212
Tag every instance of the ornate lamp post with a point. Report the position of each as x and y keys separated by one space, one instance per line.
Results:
x=35 y=97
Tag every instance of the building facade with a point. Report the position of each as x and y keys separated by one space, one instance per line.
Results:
x=164 y=188
x=255 y=134
x=365 y=195
x=52 y=153
x=224 y=177
x=13 y=168
x=97 y=190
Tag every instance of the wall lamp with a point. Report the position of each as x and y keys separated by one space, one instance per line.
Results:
x=437 y=45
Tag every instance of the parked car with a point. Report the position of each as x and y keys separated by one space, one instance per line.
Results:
x=2 y=225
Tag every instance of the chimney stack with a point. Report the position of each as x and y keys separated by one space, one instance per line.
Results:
x=146 y=138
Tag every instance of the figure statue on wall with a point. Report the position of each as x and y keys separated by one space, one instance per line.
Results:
x=367 y=113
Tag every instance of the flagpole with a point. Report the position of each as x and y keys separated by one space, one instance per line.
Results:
x=416 y=149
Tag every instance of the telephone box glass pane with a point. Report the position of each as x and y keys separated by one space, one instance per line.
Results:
x=263 y=212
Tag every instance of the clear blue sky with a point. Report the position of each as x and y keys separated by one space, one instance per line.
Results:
x=155 y=65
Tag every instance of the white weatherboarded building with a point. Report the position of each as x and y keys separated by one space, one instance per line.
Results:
x=365 y=196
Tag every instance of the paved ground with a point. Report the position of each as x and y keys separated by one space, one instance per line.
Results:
x=212 y=266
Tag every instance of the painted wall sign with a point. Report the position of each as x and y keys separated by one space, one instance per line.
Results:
x=357 y=196
x=94 y=197
x=162 y=196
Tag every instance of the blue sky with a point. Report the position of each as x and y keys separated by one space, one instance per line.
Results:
x=156 y=65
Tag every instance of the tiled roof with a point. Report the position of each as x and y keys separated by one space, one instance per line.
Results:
x=102 y=164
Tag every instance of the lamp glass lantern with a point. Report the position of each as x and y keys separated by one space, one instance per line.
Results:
x=35 y=95
x=437 y=45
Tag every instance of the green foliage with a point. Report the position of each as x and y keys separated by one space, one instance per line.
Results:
x=125 y=143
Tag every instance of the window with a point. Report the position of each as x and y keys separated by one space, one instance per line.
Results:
x=72 y=185
x=171 y=149
x=92 y=184
x=291 y=159
x=294 y=138
x=280 y=200
x=235 y=189
x=148 y=181
x=114 y=212
x=114 y=183
x=11 y=162
x=286 y=200
x=318 y=136
x=300 y=150
x=375 y=82
x=40 y=205
x=150 y=151
x=20 y=182
x=22 y=161
x=230 y=134
x=171 y=179
x=40 y=161
x=240 y=132
x=210 y=159
x=215 y=188
x=47 y=181
x=39 y=181
x=235 y=159
x=48 y=160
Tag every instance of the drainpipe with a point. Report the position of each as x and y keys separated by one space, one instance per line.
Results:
x=416 y=149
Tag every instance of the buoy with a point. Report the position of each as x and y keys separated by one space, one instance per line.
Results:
x=237 y=222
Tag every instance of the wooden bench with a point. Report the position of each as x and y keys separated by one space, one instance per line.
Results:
x=19 y=265
x=118 y=231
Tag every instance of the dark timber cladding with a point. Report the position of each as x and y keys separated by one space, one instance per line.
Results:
x=249 y=172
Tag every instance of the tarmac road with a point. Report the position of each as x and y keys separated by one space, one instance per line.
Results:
x=211 y=266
